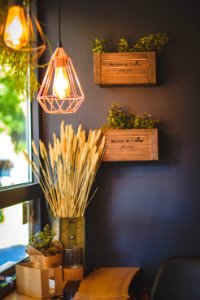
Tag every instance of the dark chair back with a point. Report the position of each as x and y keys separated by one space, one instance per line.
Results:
x=178 y=279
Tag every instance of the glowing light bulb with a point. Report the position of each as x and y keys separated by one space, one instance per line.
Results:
x=61 y=86
x=16 y=28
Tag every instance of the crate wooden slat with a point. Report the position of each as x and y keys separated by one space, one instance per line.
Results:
x=131 y=68
x=131 y=145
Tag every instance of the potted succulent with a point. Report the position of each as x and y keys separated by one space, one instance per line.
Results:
x=130 y=137
x=44 y=251
x=126 y=64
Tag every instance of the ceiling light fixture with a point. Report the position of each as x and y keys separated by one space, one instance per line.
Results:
x=60 y=91
x=16 y=26
x=22 y=30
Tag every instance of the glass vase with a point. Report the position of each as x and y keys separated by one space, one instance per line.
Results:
x=71 y=234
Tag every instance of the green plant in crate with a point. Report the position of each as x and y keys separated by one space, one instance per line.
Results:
x=118 y=118
x=99 y=46
x=121 y=118
x=123 y=46
x=152 y=42
x=144 y=121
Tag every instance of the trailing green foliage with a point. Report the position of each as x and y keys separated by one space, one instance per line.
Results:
x=119 y=118
x=16 y=65
x=43 y=241
x=152 y=42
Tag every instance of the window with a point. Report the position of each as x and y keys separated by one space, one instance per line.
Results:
x=20 y=211
x=18 y=84
x=15 y=134
x=20 y=196
x=16 y=222
x=20 y=218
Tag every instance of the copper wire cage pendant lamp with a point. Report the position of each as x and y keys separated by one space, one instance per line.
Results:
x=60 y=91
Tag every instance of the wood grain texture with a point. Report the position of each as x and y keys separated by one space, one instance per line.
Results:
x=131 y=68
x=131 y=145
x=107 y=284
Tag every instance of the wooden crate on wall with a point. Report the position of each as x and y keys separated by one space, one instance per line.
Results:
x=131 y=145
x=127 y=68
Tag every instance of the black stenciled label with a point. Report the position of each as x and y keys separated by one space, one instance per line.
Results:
x=127 y=140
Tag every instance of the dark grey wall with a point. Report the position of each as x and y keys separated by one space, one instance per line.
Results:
x=142 y=212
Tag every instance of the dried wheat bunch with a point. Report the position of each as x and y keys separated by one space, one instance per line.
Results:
x=66 y=171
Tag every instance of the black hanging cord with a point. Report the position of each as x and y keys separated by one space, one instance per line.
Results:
x=59 y=26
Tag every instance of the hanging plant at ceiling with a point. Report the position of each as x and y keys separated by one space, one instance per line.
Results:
x=13 y=65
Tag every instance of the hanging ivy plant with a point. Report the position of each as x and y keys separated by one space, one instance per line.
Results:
x=14 y=64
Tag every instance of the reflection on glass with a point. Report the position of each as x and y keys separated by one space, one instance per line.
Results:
x=15 y=221
x=14 y=134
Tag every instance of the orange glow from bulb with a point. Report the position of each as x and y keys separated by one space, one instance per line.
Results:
x=61 y=86
x=16 y=28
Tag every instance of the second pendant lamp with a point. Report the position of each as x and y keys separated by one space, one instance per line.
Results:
x=16 y=31
x=22 y=31
x=60 y=91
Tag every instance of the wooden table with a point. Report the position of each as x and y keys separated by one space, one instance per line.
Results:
x=15 y=296
x=111 y=281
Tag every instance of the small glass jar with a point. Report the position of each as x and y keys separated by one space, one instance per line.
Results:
x=73 y=257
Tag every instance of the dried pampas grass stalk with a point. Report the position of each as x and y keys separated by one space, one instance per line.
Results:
x=66 y=171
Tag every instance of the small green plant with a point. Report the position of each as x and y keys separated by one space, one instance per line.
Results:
x=99 y=46
x=144 y=121
x=43 y=242
x=120 y=118
x=123 y=46
x=152 y=42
